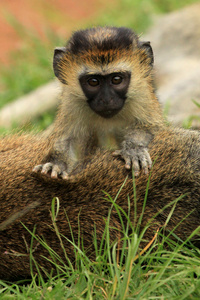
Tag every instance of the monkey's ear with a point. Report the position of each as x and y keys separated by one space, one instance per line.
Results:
x=59 y=53
x=147 y=47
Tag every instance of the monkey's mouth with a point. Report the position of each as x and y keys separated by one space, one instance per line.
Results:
x=107 y=114
x=106 y=108
x=106 y=111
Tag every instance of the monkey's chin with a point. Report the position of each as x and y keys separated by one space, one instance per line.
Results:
x=108 y=114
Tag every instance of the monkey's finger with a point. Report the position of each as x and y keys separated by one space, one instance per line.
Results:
x=136 y=166
x=37 y=168
x=65 y=175
x=55 y=171
x=46 y=168
x=144 y=165
x=148 y=158
x=117 y=153
x=127 y=163
x=72 y=178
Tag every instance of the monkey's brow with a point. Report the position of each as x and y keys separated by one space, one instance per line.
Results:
x=104 y=72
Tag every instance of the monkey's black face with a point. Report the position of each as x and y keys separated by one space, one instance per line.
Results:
x=106 y=94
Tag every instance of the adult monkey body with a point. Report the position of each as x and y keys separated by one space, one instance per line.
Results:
x=26 y=199
x=108 y=100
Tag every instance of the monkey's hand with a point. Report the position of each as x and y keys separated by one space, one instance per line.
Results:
x=53 y=170
x=134 y=151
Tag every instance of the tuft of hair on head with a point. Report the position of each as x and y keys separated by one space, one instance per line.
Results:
x=102 y=39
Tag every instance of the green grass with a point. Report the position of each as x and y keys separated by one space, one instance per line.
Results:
x=188 y=122
x=157 y=273
x=31 y=67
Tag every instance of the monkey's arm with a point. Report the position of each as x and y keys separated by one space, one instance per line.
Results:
x=134 y=150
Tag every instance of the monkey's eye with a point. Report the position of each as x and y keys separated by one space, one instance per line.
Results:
x=93 y=81
x=116 y=80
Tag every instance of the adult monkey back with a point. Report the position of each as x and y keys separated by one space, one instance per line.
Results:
x=26 y=198
x=107 y=101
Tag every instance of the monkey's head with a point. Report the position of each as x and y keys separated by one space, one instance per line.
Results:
x=105 y=68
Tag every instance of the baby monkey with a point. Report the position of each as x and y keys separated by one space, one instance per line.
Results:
x=108 y=100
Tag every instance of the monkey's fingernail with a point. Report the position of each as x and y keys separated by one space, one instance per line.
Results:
x=44 y=172
x=127 y=166
x=37 y=168
x=54 y=175
x=116 y=153
x=65 y=176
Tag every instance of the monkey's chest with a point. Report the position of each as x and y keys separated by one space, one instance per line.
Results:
x=103 y=140
x=108 y=141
